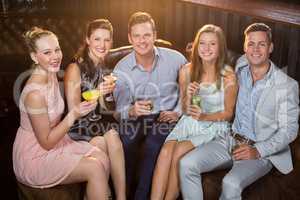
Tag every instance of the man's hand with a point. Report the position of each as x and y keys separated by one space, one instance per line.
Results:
x=168 y=116
x=245 y=152
x=140 y=108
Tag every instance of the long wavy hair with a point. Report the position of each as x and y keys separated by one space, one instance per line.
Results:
x=196 y=61
x=82 y=57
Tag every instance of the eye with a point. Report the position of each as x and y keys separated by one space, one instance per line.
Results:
x=263 y=44
x=57 y=50
x=47 y=52
x=250 y=44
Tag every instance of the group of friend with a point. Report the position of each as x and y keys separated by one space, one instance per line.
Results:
x=246 y=118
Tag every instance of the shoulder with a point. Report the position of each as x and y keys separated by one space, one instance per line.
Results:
x=33 y=97
x=125 y=63
x=72 y=71
x=186 y=69
x=184 y=73
x=281 y=77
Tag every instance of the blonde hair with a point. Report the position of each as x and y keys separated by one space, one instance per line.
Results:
x=34 y=34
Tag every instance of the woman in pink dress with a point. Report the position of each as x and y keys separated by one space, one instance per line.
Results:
x=43 y=153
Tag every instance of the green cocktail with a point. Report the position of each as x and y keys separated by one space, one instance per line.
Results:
x=196 y=100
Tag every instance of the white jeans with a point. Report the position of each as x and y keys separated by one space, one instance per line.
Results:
x=215 y=155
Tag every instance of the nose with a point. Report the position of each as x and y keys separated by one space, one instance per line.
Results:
x=256 y=47
x=101 y=44
x=207 y=47
x=142 y=39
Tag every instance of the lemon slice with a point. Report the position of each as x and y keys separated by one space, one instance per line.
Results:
x=91 y=95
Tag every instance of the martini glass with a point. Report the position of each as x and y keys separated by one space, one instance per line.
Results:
x=91 y=95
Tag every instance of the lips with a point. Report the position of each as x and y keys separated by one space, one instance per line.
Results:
x=100 y=50
x=55 y=64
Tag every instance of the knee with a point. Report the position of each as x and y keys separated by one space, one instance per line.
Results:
x=166 y=151
x=113 y=141
x=102 y=159
x=231 y=186
x=187 y=167
x=178 y=154
x=95 y=170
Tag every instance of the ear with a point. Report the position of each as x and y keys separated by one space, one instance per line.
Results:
x=34 y=58
x=129 y=38
x=87 y=40
x=244 y=47
x=271 y=47
x=155 y=35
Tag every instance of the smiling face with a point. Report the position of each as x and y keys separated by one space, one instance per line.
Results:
x=99 y=43
x=258 y=48
x=208 y=48
x=47 y=53
x=142 y=37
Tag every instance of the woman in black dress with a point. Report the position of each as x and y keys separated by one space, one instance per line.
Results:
x=86 y=72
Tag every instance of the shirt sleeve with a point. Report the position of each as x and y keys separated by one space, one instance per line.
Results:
x=122 y=93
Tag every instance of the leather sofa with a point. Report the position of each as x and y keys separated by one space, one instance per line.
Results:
x=273 y=186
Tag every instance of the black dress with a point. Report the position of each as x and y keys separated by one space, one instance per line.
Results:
x=97 y=122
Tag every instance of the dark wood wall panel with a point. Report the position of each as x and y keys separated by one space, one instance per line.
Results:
x=177 y=21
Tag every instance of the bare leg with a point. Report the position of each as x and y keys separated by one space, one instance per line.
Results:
x=173 y=184
x=161 y=171
x=117 y=162
x=93 y=171
x=99 y=142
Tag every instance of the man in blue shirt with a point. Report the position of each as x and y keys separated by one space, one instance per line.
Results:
x=147 y=99
x=266 y=121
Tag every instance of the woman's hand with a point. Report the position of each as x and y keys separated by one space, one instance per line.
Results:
x=192 y=88
x=194 y=111
x=84 y=108
x=106 y=87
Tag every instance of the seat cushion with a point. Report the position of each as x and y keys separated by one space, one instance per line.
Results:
x=60 y=192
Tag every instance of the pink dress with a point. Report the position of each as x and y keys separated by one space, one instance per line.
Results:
x=35 y=166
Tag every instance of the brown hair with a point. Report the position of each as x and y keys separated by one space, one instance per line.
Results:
x=34 y=34
x=98 y=24
x=259 y=27
x=139 y=18
x=81 y=57
x=196 y=62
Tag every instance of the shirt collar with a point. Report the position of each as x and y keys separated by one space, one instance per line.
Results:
x=132 y=60
x=247 y=68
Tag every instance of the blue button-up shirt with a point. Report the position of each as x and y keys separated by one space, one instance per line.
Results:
x=248 y=98
x=160 y=84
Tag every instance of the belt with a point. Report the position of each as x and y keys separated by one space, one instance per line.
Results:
x=242 y=139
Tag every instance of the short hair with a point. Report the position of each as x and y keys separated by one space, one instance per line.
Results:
x=31 y=36
x=139 y=18
x=98 y=24
x=259 y=27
